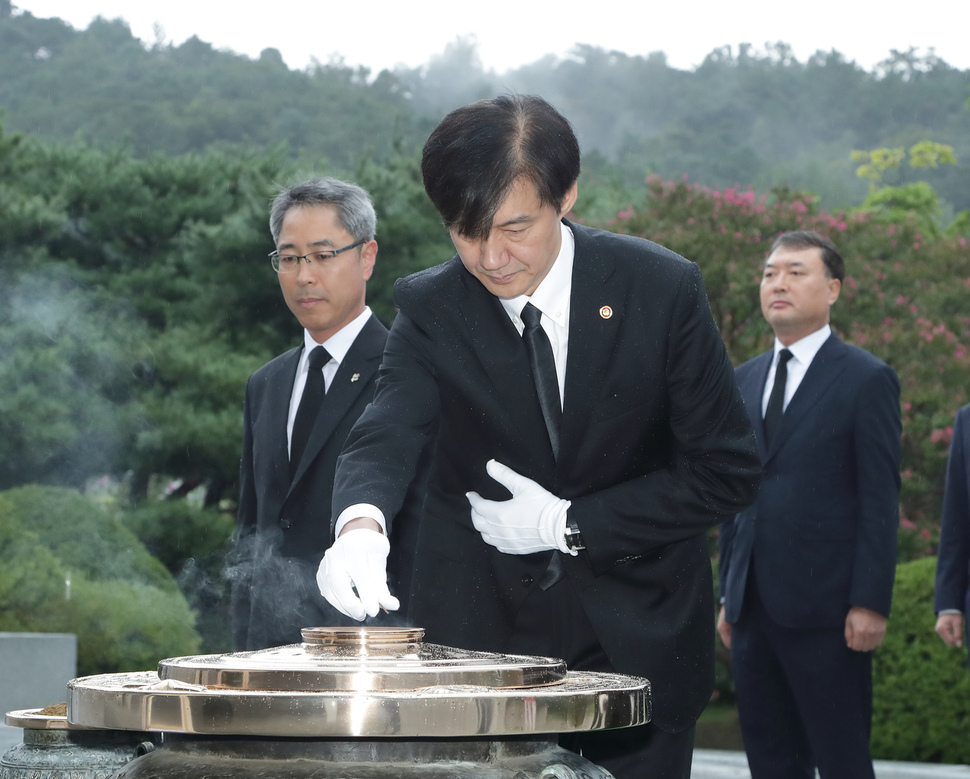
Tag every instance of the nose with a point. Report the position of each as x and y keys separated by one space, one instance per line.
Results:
x=779 y=283
x=493 y=255
x=304 y=272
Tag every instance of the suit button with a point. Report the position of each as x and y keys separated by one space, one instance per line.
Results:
x=527 y=580
x=285 y=524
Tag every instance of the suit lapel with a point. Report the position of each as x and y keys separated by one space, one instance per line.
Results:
x=353 y=375
x=273 y=419
x=595 y=314
x=826 y=367
x=752 y=388
x=501 y=354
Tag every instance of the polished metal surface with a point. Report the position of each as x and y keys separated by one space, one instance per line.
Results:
x=141 y=701
x=34 y=719
x=361 y=660
x=53 y=748
x=360 y=683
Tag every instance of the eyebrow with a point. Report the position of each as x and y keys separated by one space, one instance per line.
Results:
x=516 y=220
x=323 y=242
x=790 y=264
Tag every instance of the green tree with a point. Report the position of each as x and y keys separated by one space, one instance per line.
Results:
x=69 y=565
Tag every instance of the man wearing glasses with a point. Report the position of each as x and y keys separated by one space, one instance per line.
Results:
x=301 y=406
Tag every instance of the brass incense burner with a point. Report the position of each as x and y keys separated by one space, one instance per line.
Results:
x=360 y=682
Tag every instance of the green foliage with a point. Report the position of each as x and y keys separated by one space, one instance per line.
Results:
x=176 y=530
x=31 y=577
x=191 y=542
x=125 y=626
x=876 y=162
x=928 y=154
x=68 y=565
x=410 y=234
x=921 y=687
x=88 y=540
x=889 y=204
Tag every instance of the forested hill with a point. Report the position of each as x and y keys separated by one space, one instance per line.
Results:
x=744 y=116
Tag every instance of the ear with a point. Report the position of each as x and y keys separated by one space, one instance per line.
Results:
x=835 y=286
x=368 y=255
x=569 y=199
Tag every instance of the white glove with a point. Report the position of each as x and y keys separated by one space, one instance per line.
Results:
x=358 y=558
x=534 y=520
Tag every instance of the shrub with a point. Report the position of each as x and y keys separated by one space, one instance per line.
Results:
x=191 y=541
x=921 y=687
x=85 y=537
x=124 y=607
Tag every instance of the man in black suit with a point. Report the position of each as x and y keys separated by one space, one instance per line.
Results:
x=806 y=573
x=586 y=430
x=306 y=399
x=952 y=594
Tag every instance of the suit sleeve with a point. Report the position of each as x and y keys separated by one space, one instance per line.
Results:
x=714 y=467
x=878 y=430
x=242 y=554
x=953 y=555
x=381 y=456
x=725 y=544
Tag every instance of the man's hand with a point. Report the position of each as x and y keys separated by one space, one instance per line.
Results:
x=533 y=520
x=724 y=628
x=357 y=559
x=864 y=629
x=950 y=628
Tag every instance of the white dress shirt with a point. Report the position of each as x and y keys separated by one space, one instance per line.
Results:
x=803 y=352
x=337 y=347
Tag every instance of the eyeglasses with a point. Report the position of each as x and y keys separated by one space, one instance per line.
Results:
x=290 y=263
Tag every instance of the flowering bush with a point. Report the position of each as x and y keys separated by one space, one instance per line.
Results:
x=906 y=299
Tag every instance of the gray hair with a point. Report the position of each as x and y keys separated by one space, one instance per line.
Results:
x=355 y=212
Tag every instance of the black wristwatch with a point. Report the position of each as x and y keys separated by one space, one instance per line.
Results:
x=574 y=539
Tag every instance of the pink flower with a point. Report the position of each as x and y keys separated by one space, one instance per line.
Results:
x=907 y=523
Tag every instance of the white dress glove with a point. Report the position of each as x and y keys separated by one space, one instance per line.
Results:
x=358 y=558
x=533 y=520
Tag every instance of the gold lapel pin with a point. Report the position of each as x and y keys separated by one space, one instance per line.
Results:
x=606 y=312
x=355 y=377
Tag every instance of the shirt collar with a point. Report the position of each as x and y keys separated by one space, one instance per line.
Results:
x=805 y=349
x=551 y=297
x=340 y=342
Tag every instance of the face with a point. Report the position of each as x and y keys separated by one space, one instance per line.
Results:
x=323 y=296
x=522 y=245
x=797 y=293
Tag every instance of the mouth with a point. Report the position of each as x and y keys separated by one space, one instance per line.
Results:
x=309 y=302
x=495 y=279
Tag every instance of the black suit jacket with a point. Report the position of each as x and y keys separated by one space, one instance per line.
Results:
x=953 y=557
x=822 y=532
x=284 y=525
x=655 y=448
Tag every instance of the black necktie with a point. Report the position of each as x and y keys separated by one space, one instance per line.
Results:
x=544 y=372
x=776 y=401
x=313 y=394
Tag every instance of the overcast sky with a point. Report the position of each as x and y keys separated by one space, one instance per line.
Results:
x=383 y=33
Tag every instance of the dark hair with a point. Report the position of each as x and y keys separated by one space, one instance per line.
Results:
x=807 y=239
x=473 y=158
x=355 y=212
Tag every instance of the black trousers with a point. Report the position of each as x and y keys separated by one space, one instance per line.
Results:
x=551 y=623
x=804 y=698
